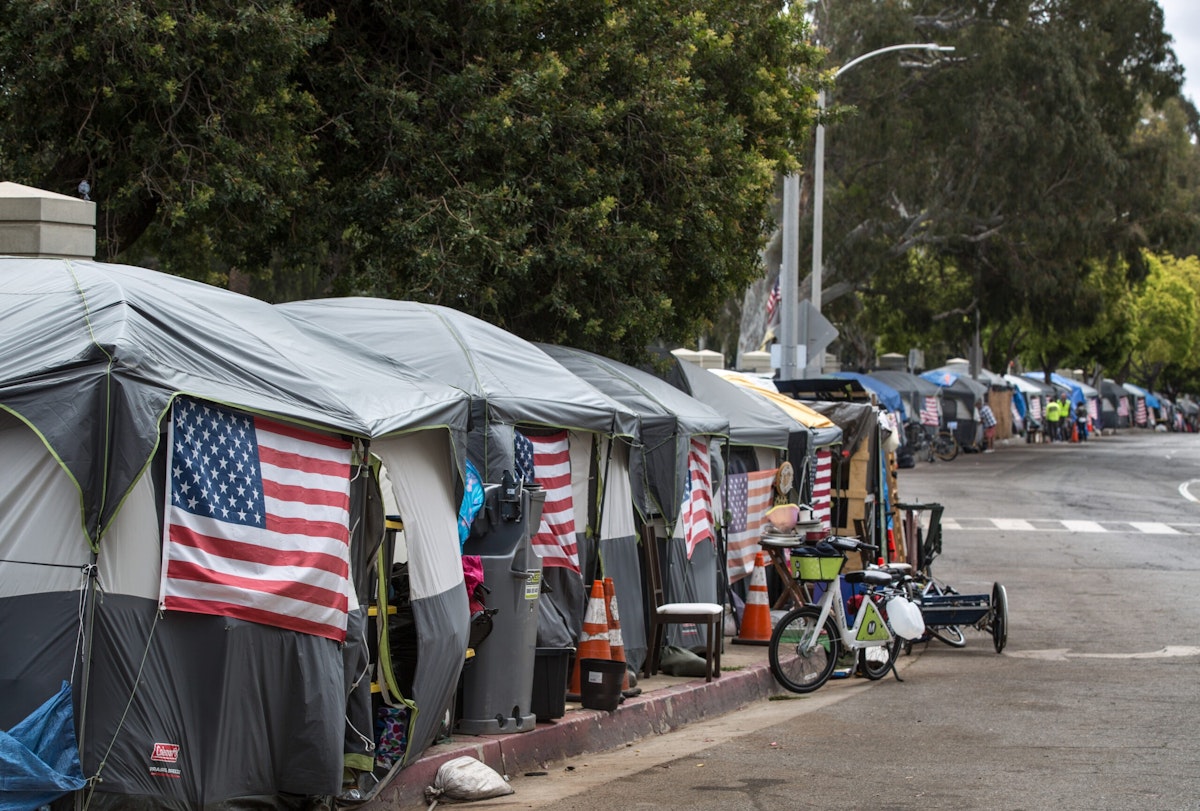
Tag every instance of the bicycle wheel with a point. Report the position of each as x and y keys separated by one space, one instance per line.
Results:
x=874 y=663
x=951 y=635
x=999 y=617
x=802 y=656
x=945 y=446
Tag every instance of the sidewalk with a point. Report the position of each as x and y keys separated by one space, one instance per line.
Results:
x=666 y=703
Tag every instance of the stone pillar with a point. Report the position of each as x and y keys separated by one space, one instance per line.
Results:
x=39 y=223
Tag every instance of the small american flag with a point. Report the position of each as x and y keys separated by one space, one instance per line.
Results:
x=772 y=302
x=1035 y=407
x=1093 y=409
x=822 y=502
x=929 y=411
x=257 y=521
x=555 y=539
x=696 y=510
x=749 y=499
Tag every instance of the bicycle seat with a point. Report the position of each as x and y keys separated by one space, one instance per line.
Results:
x=872 y=577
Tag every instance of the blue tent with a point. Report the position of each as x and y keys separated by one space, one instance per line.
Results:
x=1151 y=400
x=889 y=397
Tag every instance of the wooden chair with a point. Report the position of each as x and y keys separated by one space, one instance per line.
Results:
x=709 y=615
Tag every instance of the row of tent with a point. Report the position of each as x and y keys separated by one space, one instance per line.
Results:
x=195 y=492
x=947 y=397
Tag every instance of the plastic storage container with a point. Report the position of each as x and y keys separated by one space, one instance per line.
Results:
x=497 y=687
x=551 y=673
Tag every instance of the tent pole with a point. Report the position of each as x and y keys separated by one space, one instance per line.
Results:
x=93 y=573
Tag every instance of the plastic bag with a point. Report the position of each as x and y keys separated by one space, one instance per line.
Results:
x=465 y=778
x=905 y=618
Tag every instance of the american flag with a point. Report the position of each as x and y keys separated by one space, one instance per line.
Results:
x=1035 y=407
x=1122 y=406
x=822 y=502
x=772 y=302
x=549 y=457
x=696 y=510
x=749 y=499
x=1141 y=416
x=929 y=411
x=257 y=524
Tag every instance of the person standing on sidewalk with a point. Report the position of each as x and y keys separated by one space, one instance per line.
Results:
x=1053 y=416
x=988 y=419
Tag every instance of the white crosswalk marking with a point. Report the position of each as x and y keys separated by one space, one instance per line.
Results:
x=1068 y=525
x=1153 y=528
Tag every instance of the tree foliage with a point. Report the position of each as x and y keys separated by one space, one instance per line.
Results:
x=1024 y=160
x=597 y=172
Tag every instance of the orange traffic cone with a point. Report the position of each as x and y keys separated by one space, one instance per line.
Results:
x=616 y=644
x=756 y=619
x=593 y=642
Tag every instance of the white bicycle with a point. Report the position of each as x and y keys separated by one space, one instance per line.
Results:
x=807 y=642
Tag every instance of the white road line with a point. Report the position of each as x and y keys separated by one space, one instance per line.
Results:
x=1062 y=654
x=1012 y=524
x=1083 y=526
x=1183 y=490
x=1153 y=528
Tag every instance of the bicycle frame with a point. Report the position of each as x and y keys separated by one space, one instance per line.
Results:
x=869 y=629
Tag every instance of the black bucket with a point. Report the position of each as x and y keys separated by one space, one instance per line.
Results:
x=600 y=683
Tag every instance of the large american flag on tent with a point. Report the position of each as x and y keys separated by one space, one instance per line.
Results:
x=1141 y=416
x=929 y=411
x=822 y=497
x=1035 y=407
x=750 y=496
x=256 y=521
x=549 y=458
x=696 y=511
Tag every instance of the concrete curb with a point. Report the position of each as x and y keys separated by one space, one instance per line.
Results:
x=582 y=732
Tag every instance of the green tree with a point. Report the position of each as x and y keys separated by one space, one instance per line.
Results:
x=184 y=118
x=589 y=173
x=1016 y=164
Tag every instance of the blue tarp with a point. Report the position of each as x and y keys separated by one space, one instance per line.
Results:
x=1151 y=400
x=39 y=757
x=1076 y=391
x=889 y=397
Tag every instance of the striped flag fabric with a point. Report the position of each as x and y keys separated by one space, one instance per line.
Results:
x=1140 y=415
x=1093 y=410
x=773 y=302
x=555 y=540
x=929 y=411
x=1035 y=407
x=822 y=497
x=696 y=511
x=1122 y=406
x=750 y=496
x=256 y=524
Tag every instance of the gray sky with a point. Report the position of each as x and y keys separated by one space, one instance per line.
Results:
x=1182 y=21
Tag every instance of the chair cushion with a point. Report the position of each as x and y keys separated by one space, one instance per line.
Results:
x=691 y=608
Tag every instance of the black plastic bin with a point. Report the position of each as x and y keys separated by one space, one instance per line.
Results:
x=551 y=672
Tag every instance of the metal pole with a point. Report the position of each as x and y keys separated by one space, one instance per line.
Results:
x=789 y=268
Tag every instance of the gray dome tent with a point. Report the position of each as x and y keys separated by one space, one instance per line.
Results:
x=513 y=385
x=93 y=359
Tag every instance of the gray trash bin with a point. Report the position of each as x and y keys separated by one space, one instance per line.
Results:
x=498 y=683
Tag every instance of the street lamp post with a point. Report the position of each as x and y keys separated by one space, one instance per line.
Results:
x=789 y=275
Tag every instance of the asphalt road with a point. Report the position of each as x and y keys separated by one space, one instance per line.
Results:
x=1094 y=704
